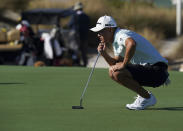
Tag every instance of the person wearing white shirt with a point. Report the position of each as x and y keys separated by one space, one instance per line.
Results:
x=136 y=63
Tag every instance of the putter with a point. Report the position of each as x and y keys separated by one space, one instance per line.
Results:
x=89 y=78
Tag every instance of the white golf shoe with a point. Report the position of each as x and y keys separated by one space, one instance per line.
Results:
x=141 y=103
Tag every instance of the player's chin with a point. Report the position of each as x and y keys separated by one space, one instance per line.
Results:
x=105 y=41
x=102 y=41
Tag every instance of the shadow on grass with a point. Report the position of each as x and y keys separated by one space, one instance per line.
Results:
x=11 y=83
x=167 y=108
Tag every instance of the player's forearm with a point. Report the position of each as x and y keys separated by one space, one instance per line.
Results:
x=111 y=61
x=130 y=51
x=127 y=59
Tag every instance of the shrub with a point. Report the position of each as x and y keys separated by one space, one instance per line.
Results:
x=177 y=50
x=16 y=5
x=155 y=23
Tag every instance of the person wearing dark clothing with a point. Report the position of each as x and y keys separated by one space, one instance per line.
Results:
x=27 y=38
x=31 y=48
x=80 y=23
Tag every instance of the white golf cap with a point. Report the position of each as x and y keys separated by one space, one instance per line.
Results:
x=103 y=22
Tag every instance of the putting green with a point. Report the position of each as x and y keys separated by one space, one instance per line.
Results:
x=41 y=99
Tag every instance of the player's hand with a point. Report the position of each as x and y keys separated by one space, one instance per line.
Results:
x=101 y=48
x=117 y=67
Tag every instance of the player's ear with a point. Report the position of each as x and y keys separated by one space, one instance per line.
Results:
x=110 y=29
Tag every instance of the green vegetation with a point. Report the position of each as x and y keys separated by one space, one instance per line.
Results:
x=16 y=5
x=143 y=17
x=40 y=99
x=152 y=22
x=177 y=51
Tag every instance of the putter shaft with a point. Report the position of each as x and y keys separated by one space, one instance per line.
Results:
x=89 y=78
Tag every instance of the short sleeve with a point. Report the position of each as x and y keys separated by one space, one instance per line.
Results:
x=122 y=38
x=119 y=45
x=115 y=49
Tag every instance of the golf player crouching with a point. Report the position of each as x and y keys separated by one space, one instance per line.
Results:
x=136 y=62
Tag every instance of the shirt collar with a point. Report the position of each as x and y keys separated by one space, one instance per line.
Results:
x=79 y=12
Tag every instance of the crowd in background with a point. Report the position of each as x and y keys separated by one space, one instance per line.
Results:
x=50 y=48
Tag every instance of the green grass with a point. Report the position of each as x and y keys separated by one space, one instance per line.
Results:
x=41 y=99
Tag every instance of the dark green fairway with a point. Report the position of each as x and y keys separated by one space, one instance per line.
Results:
x=41 y=99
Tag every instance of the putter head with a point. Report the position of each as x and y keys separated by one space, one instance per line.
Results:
x=77 y=107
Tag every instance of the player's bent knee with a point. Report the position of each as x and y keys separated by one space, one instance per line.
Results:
x=119 y=75
x=110 y=73
x=116 y=75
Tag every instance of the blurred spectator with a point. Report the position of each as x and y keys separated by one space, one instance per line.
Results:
x=31 y=45
x=80 y=23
